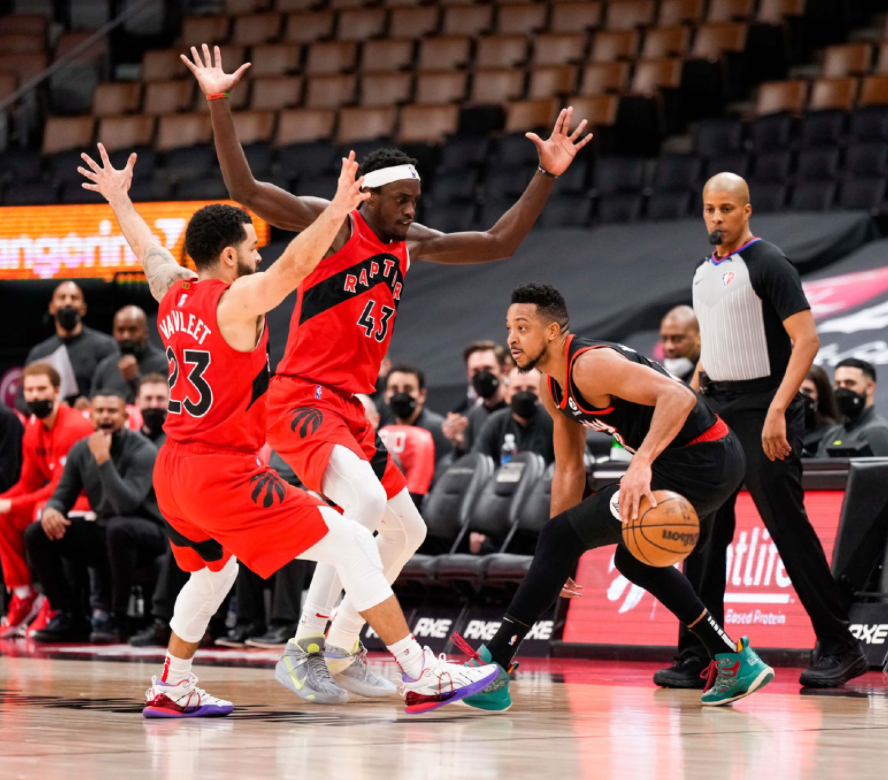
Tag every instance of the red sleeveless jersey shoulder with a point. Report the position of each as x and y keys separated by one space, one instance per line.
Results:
x=217 y=394
x=345 y=313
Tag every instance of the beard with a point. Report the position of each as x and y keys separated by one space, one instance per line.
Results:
x=243 y=269
x=533 y=362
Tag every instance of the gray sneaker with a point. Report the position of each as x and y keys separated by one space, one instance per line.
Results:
x=356 y=677
x=302 y=669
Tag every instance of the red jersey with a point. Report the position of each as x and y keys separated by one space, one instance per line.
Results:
x=217 y=394
x=345 y=313
x=43 y=458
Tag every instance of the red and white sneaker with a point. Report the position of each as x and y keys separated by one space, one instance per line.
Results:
x=444 y=683
x=182 y=700
x=21 y=612
x=40 y=622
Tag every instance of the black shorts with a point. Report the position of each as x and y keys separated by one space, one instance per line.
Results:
x=707 y=474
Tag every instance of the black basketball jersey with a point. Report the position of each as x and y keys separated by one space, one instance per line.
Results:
x=626 y=421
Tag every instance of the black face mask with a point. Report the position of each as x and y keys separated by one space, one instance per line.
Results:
x=131 y=347
x=67 y=317
x=525 y=404
x=153 y=419
x=851 y=404
x=403 y=405
x=40 y=409
x=810 y=412
x=485 y=384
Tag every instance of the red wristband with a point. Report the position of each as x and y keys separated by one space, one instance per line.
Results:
x=217 y=96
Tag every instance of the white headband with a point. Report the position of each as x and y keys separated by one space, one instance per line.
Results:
x=383 y=176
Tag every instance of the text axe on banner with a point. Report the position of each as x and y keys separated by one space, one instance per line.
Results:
x=759 y=599
x=869 y=623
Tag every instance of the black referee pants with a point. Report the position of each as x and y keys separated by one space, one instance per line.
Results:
x=776 y=489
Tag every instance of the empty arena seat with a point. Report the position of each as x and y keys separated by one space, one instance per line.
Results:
x=862 y=194
x=24 y=66
x=253 y=29
x=618 y=172
x=501 y=51
x=22 y=42
x=360 y=24
x=178 y=130
x=712 y=40
x=453 y=51
x=566 y=211
x=676 y=172
x=838 y=93
x=620 y=207
x=666 y=42
x=449 y=217
x=463 y=152
x=630 y=14
x=309 y=26
x=305 y=124
x=386 y=56
x=205 y=29
x=275 y=59
x=309 y=159
x=822 y=128
x=493 y=85
x=599 y=78
x=733 y=162
x=813 y=196
x=330 y=91
x=513 y=150
x=413 y=22
x=272 y=93
x=385 y=89
x=552 y=80
x=651 y=76
x=874 y=91
x=125 y=132
x=427 y=124
x=36 y=193
x=450 y=186
x=676 y=12
x=363 y=124
x=531 y=114
x=718 y=137
x=573 y=16
x=672 y=204
x=773 y=166
x=193 y=162
x=772 y=132
x=730 y=10
x=768 y=197
x=863 y=160
x=521 y=18
x=331 y=57
x=254 y=126
x=115 y=98
x=506 y=183
x=62 y=133
x=611 y=45
x=168 y=97
x=778 y=96
x=869 y=124
x=776 y=11
x=25 y=23
x=817 y=164
x=204 y=188
x=471 y=20
x=849 y=59
x=441 y=87
x=162 y=65
x=559 y=48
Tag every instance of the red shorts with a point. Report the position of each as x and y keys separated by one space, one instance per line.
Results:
x=218 y=503
x=305 y=422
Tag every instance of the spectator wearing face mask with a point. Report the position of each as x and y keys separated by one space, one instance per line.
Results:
x=153 y=401
x=405 y=395
x=486 y=369
x=51 y=431
x=524 y=426
x=114 y=466
x=680 y=340
x=821 y=411
x=137 y=356
x=75 y=350
x=862 y=426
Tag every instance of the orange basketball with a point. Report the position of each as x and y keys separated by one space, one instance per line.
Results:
x=665 y=534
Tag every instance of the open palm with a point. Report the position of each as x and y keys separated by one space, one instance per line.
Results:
x=209 y=74
x=557 y=152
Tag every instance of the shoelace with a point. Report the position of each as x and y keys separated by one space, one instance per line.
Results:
x=710 y=674
x=466 y=649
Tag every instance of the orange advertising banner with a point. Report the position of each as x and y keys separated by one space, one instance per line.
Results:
x=60 y=242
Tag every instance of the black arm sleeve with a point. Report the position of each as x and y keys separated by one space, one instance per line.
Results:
x=776 y=281
x=126 y=493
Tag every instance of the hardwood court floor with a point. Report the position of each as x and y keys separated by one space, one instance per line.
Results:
x=572 y=719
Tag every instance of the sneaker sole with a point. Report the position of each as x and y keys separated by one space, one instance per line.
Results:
x=207 y=711
x=462 y=693
x=764 y=677
x=484 y=710
x=860 y=669
x=283 y=676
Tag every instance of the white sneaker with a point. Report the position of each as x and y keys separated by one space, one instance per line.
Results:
x=182 y=700
x=443 y=683
x=352 y=673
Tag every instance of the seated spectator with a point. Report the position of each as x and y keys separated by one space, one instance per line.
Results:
x=137 y=357
x=11 y=432
x=861 y=429
x=115 y=467
x=405 y=395
x=525 y=426
x=821 y=411
x=153 y=401
x=75 y=350
x=50 y=432
x=486 y=368
x=680 y=340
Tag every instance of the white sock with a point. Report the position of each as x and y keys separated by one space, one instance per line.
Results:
x=22 y=591
x=312 y=623
x=175 y=669
x=409 y=656
x=345 y=631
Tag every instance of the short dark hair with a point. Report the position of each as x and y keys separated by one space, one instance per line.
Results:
x=546 y=298
x=154 y=378
x=43 y=369
x=868 y=368
x=107 y=392
x=486 y=346
x=213 y=228
x=827 y=410
x=384 y=158
x=406 y=368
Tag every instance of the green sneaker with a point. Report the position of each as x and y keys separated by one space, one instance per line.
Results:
x=495 y=697
x=735 y=675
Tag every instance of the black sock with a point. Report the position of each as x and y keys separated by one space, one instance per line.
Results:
x=508 y=638
x=713 y=636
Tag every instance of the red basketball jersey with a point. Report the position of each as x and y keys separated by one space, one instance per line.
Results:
x=345 y=312
x=217 y=394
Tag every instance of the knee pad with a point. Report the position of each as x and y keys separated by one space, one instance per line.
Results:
x=199 y=599
x=351 y=483
x=402 y=516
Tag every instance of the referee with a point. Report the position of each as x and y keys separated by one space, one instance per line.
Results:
x=758 y=342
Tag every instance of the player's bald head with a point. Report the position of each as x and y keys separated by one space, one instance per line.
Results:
x=727 y=184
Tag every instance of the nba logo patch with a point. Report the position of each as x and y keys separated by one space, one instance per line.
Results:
x=318 y=393
x=727 y=278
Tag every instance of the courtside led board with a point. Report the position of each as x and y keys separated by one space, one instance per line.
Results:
x=61 y=242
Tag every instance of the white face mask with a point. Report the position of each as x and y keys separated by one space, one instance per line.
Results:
x=678 y=366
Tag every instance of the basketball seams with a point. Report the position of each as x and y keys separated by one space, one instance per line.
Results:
x=632 y=530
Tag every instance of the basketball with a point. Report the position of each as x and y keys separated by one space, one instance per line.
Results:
x=664 y=534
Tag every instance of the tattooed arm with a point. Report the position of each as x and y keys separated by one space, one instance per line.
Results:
x=161 y=268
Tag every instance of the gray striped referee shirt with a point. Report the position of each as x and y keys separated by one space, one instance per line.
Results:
x=741 y=302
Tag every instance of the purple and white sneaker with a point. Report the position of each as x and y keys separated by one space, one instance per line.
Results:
x=443 y=683
x=182 y=700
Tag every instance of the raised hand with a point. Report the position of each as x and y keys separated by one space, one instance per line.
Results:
x=557 y=153
x=211 y=78
x=111 y=183
x=348 y=193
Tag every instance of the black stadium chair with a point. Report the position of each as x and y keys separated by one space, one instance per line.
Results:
x=206 y=188
x=464 y=151
x=450 y=217
x=507 y=183
x=147 y=189
x=822 y=128
x=817 y=164
x=146 y=160
x=566 y=211
x=768 y=197
x=260 y=157
x=515 y=150
x=862 y=194
x=771 y=133
x=19 y=165
x=575 y=180
x=734 y=162
x=32 y=193
x=866 y=159
x=772 y=167
x=813 y=196
x=620 y=207
x=73 y=193
x=676 y=172
x=717 y=137
x=869 y=124
x=306 y=160
x=62 y=167
x=451 y=187
x=618 y=173
x=671 y=204
x=190 y=162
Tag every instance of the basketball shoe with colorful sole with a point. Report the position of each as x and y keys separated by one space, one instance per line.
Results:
x=183 y=700
x=732 y=676
x=442 y=683
x=495 y=697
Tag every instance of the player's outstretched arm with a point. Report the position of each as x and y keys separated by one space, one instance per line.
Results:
x=161 y=268
x=501 y=241
x=254 y=295
x=273 y=204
